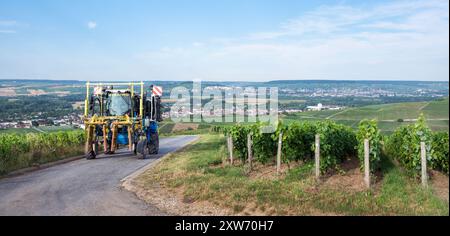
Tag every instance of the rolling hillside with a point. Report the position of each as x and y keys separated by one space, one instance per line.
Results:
x=388 y=115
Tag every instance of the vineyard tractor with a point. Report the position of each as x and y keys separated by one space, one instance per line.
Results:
x=116 y=115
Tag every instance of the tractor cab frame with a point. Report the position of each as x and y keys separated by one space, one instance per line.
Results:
x=121 y=114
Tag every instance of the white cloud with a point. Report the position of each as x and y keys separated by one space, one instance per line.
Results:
x=92 y=25
x=7 y=31
x=402 y=40
x=8 y=23
x=8 y=26
x=197 y=44
x=338 y=19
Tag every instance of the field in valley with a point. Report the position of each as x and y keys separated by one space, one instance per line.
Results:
x=43 y=129
x=389 y=116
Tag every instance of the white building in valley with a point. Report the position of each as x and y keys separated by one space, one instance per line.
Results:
x=319 y=107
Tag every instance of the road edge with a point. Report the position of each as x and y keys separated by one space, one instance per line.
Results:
x=41 y=167
x=126 y=184
x=126 y=180
x=162 y=197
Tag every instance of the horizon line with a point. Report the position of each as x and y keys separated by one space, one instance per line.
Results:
x=212 y=81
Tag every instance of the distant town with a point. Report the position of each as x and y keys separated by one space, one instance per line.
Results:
x=60 y=103
x=73 y=120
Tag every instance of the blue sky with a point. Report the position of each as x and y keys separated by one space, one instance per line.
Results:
x=227 y=40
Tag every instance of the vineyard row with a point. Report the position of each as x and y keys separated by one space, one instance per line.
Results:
x=339 y=142
x=24 y=150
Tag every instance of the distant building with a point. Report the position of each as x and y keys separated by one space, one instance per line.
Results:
x=291 y=111
x=319 y=107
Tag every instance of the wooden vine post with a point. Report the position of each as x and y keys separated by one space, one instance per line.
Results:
x=280 y=143
x=228 y=145
x=423 y=156
x=317 y=156
x=366 y=163
x=249 y=150
x=230 y=148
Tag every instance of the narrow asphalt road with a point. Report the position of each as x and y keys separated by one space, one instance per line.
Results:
x=82 y=187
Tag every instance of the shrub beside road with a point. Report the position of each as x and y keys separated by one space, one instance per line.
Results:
x=24 y=150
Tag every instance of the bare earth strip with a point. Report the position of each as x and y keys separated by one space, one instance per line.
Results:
x=7 y=92
x=184 y=127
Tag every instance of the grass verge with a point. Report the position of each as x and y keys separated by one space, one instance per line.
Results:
x=194 y=181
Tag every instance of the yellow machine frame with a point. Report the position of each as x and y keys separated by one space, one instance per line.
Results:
x=132 y=123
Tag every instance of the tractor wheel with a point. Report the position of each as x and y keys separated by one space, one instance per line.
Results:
x=107 y=151
x=135 y=149
x=142 y=149
x=91 y=155
x=145 y=153
x=154 y=144
x=96 y=147
x=135 y=143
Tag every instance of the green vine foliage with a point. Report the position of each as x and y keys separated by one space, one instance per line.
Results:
x=440 y=156
x=219 y=129
x=14 y=145
x=368 y=129
x=239 y=136
x=404 y=144
x=298 y=140
x=337 y=142
x=264 y=144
